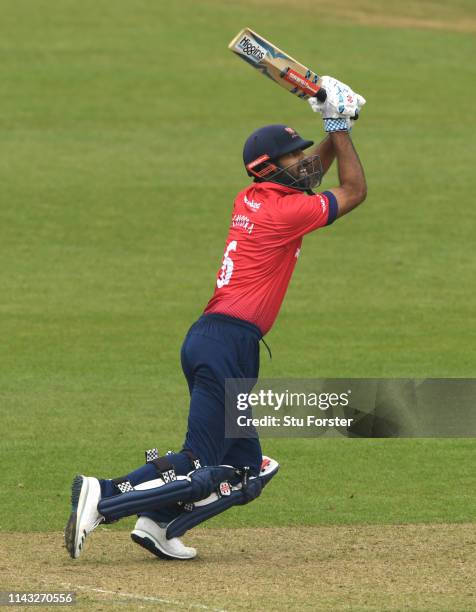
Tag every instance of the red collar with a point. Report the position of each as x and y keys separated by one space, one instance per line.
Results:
x=275 y=187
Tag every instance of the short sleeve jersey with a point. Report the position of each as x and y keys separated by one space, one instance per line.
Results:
x=264 y=241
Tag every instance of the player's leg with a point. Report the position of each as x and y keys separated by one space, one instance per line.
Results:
x=150 y=527
x=205 y=434
x=207 y=365
x=245 y=452
x=216 y=349
x=87 y=492
x=225 y=496
x=217 y=353
x=202 y=354
x=90 y=508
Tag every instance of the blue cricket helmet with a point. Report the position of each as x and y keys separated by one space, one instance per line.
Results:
x=268 y=143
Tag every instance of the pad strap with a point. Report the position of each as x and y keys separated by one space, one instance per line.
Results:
x=194 y=460
x=151 y=454
x=122 y=484
x=165 y=469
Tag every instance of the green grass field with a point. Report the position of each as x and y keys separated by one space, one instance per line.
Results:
x=121 y=129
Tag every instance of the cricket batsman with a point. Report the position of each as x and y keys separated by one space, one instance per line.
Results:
x=174 y=492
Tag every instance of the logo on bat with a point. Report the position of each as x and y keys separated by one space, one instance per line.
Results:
x=251 y=49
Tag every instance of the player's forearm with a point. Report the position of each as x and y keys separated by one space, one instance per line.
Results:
x=325 y=150
x=351 y=173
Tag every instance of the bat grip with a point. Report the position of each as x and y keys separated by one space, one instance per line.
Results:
x=321 y=95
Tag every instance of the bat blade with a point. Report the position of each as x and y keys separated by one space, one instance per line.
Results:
x=277 y=65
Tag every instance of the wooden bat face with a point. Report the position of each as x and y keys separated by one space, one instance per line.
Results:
x=276 y=65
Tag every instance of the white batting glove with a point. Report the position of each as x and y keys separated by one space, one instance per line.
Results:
x=340 y=107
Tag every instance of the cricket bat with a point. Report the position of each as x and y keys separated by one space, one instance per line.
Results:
x=277 y=65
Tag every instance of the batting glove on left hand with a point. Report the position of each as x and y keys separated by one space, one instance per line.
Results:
x=341 y=106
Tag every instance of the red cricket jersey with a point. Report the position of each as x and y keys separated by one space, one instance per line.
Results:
x=263 y=244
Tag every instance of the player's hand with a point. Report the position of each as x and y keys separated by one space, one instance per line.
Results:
x=342 y=105
x=341 y=101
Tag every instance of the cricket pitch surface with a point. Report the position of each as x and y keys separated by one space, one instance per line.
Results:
x=372 y=567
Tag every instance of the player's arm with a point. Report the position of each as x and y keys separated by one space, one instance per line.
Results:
x=338 y=112
x=353 y=187
x=325 y=150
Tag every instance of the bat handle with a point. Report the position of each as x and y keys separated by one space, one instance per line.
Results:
x=321 y=95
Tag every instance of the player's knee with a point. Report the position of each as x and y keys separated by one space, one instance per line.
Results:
x=252 y=490
x=234 y=490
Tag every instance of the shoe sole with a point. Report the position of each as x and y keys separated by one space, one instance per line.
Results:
x=146 y=542
x=70 y=532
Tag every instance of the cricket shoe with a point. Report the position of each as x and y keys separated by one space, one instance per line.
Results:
x=85 y=496
x=151 y=536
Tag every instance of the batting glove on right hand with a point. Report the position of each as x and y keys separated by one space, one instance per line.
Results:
x=341 y=106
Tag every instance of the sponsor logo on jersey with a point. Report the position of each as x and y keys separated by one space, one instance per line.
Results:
x=323 y=204
x=248 y=47
x=252 y=205
x=242 y=222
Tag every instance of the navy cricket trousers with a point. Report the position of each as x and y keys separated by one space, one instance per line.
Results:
x=218 y=347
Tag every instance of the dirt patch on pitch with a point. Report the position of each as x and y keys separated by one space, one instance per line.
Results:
x=467 y=25
x=417 y=567
x=428 y=15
